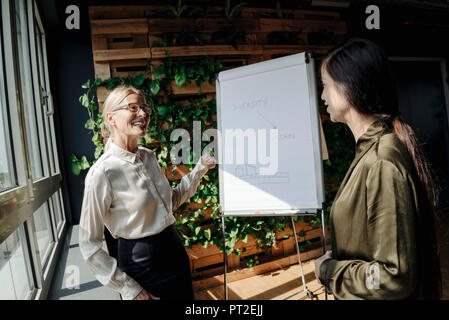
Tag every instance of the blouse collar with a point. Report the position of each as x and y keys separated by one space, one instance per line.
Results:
x=377 y=129
x=124 y=154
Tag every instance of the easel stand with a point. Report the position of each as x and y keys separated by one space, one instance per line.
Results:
x=304 y=286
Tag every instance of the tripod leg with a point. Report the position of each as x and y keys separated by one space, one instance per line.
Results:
x=299 y=260
x=324 y=242
x=224 y=258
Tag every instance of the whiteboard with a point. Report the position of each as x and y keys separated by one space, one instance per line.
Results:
x=275 y=97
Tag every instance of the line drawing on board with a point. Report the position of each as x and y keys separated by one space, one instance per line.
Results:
x=271 y=123
x=250 y=173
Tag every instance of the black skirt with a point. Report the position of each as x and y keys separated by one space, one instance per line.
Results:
x=159 y=263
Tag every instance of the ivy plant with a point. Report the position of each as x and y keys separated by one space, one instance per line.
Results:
x=201 y=223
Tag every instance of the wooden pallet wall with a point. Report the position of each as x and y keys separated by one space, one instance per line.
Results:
x=125 y=39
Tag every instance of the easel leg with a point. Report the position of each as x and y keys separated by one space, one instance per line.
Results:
x=224 y=258
x=309 y=294
x=323 y=228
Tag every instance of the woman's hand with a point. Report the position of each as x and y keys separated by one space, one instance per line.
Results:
x=208 y=161
x=319 y=261
x=145 y=295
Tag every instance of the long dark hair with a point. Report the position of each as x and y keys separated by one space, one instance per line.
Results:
x=362 y=71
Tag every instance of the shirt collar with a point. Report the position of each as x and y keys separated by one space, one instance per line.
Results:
x=377 y=129
x=124 y=154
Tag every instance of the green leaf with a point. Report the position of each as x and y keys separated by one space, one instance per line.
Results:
x=154 y=87
x=234 y=232
x=86 y=85
x=84 y=163
x=110 y=84
x=138 y=80
x=92 y=106
x=162 y=110
x=74 y=158
x=245 y=238
x=159 y=72
x=84 y=100
x=180 y=79
x=97 y=82
x=98 y=152
x=76 y=168
x=96 y=138
x=207 y=234
x=197 y=230
x=90 y=124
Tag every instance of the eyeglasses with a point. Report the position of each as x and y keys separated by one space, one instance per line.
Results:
x=135 y=108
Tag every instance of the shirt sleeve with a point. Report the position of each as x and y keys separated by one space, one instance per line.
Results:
x=188 y=185
x=391 y=273
x=96 y=202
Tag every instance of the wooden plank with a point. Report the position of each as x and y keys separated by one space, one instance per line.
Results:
x=100 y=43
x=129 y=11
x=121 y=54
x=233 y=261
x=102 y=70
x=117 y=26
x=126 y=41
x=117 y=11
x=243 y=273
x=270 y=50
x=298 y=14
x=128 y=68
x=202 y=257
x=164 y=52
x=270 y=25
x=192 y=88
x=180 y=171
x=207 y=261
x=203 y=25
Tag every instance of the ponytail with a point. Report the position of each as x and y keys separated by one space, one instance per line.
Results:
x=406 y=134
x=427 y=243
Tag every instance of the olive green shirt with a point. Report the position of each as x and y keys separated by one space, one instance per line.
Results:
x=372 y=220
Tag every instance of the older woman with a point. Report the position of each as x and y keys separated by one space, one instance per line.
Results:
x=126 y=191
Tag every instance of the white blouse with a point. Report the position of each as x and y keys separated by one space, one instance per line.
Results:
x=128 y=193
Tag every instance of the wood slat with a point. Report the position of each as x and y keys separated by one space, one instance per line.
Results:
x=205 y=282
x=192 y=88
x=117 y=26
x=180 y=171
x=163 y=52
x=298 y=14
x=120 y=11
x=270 y=25
x=270 y=50
x=127 y=41
x=121 y=54
x=203 y=25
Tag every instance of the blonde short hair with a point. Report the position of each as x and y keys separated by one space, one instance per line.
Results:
x=114 y=99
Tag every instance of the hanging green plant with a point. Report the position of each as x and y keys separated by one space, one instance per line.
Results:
x=168 y=115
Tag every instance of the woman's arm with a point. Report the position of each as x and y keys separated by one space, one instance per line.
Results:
x=96 y=202
x=392 y=273
x=188 y=185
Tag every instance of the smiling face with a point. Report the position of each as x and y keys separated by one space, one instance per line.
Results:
x=337 y=105
x=127 y=123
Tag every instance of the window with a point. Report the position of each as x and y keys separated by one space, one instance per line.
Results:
x=14 y=276
x=6 y=169
x=29 y=168
x=42 y=226
x=26 y=82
